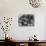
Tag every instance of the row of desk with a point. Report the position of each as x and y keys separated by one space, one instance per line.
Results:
x=27 y=42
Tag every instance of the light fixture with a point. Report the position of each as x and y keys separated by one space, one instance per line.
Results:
x=36 y=3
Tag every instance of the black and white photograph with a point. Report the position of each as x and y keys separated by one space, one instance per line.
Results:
x=26 y=20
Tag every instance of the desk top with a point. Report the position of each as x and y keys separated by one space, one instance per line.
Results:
x=40 y=41
x=27 y=41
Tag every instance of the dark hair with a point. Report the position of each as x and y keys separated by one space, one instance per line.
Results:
x=34 y=35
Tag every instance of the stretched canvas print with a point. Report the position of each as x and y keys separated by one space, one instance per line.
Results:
x=26 y=20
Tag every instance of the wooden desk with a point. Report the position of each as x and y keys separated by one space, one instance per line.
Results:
x=28 y=43
x=31 y=43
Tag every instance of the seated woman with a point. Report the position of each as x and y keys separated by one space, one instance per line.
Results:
x=10 y=38
x=34 y=38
